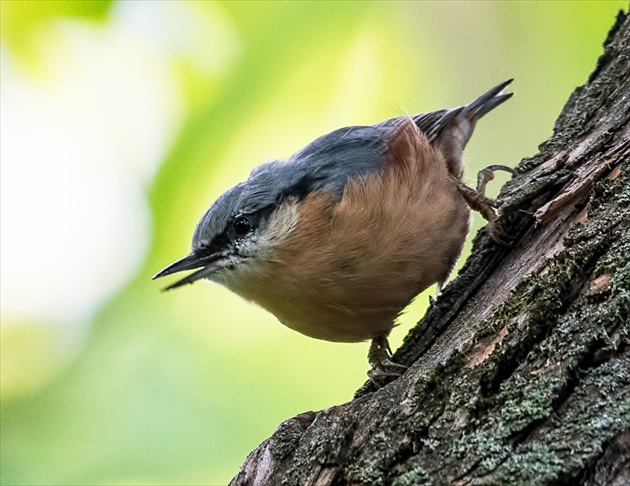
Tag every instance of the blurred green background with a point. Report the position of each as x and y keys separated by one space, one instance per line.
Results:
x=122 y=121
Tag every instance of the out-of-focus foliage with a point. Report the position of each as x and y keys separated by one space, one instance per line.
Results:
x=122 y=121
x=23 y=24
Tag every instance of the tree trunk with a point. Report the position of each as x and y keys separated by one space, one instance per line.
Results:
x=520 y=372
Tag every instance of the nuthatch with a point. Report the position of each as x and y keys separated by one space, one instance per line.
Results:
x=338 y=239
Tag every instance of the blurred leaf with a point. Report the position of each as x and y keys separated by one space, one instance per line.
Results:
x=29 y=357
x=22 y=21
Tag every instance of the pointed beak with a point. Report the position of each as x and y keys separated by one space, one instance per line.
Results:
x=190 y=262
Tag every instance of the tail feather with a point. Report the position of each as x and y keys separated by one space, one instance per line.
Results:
x=449 y=130
x=488 y=101
x=455 y=130
x=432 y=123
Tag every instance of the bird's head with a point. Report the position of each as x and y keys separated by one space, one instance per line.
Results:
x=242 y=228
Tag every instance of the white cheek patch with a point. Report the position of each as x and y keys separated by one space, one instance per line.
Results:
x=258 y=247
x=282 y=222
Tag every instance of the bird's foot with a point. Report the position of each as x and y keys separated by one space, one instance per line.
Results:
x=477 y=200
x=382 y=366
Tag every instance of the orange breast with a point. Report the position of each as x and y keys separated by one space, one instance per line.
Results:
x=348 y=269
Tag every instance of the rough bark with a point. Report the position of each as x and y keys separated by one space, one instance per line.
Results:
x=520 y=371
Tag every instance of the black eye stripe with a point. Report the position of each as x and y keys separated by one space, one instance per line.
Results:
x=237 y=228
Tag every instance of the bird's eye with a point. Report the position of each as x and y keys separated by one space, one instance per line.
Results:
x=242 y=225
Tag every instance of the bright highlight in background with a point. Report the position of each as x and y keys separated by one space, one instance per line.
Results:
x=83 y=134
x=77 y=152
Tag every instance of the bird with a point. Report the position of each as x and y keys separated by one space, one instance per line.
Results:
x=339 y=238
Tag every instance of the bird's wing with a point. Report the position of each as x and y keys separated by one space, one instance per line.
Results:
x=326 y=163
x=329 y=161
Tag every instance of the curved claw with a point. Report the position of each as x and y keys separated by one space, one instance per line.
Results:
x=379 y=357
x=505 y=168
x=391 y=364
x=477 y=200
x=486 y=175
x=376 y=376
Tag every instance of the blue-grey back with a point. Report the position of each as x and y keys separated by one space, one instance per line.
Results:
x=326 y=163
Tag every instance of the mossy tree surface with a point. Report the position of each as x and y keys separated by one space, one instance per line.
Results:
x=520 y=372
